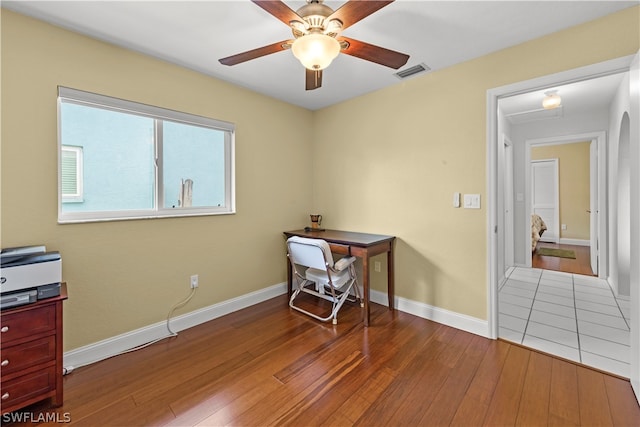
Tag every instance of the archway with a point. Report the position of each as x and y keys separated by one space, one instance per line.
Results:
x=624 y=209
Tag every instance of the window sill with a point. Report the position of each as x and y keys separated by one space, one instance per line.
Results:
x=174 y=213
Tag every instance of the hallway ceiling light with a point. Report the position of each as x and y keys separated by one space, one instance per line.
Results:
x=551 y=100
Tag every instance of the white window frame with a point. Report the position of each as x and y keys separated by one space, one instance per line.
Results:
x=68 y=95
x=78 y=196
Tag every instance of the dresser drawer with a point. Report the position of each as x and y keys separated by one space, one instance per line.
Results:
x=30 y=387
x=25 y=355
x=26 y=323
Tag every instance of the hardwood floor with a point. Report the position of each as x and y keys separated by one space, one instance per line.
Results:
x=580 y=265
x=270 y=365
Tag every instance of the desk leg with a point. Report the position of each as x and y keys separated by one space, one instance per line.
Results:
x=365 y=287
x=390 y=278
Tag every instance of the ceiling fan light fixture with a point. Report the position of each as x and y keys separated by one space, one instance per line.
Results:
x=551 y=100
x=316 y=50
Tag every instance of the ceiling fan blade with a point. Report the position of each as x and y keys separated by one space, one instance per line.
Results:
x=356 y=10
x=255 y=53
x=313 y=79
x=278 y=9
x=377 y=54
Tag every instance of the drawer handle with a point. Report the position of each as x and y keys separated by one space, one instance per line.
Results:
x=5 y=396
x=4 y=329
x=4 y=363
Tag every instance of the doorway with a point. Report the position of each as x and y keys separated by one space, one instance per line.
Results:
x=545 y=195
x=572 y=176
x=496 y=230
x=622 y=280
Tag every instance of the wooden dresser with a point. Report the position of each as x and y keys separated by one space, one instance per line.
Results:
x=31 y=353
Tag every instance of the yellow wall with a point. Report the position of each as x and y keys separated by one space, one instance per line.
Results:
x=406 y=149
x=127 y=274
x=387 y=162
x=573 y=174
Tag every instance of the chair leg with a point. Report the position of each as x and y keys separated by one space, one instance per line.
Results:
x=330 y=295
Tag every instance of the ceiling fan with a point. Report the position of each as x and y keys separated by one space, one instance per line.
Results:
x=317 y=41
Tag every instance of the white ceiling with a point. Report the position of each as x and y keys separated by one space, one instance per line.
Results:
x=577 y=98
x=195 y=34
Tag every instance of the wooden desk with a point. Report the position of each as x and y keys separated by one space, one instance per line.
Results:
x=361 y=245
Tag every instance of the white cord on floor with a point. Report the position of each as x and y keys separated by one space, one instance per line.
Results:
x=177 y=306
x=69 y=369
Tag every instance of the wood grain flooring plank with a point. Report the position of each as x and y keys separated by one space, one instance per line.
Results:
x=244 y=392
x=245 y=380
x=118 y=413
x=225 y=402
x=624 y=408
x=283 y=404
x=470 y=412
x=534 y=404
x=446 y=402
x=326 y=344
x=226 y=413
x=211 y=359
x=345 y=369
x=564 y=405
x=411 y=411
x=475 y=403
x=355 y=405
x=504 y=405
x=355 y=393
x=483 y=385
x=180 y=366
x=400 y=394
x=237 y=382
x=594 y=405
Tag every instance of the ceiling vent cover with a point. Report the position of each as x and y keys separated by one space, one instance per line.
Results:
x=412 y=71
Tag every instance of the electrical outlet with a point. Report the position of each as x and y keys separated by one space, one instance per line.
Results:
x=376 y=266
x=194 y=281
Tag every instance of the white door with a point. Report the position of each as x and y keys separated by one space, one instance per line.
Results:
x=545 y=196
x=594 y=216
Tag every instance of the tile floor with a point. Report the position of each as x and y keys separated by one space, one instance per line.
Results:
x=572 y=316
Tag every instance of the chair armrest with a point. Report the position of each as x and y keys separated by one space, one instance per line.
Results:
x=343 y=263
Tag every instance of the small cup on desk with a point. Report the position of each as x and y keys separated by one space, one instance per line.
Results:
x=316 y=221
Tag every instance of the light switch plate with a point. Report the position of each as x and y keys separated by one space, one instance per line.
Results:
x=472 y=201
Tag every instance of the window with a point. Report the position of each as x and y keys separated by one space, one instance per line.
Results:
x=124 y=160
x=71 y=174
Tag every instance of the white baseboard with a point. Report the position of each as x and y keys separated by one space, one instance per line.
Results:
x=578 y=242
x=450 y=318
x=115 y=345
x=121 y=343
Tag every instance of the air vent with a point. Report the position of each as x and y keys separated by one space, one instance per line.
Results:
x=412 y=71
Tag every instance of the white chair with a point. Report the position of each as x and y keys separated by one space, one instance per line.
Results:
x=317 y=274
